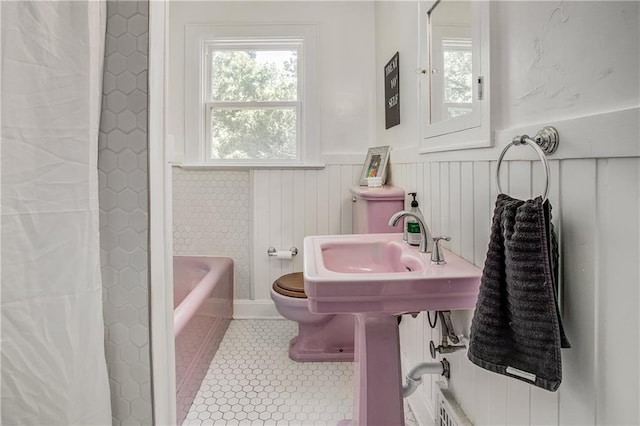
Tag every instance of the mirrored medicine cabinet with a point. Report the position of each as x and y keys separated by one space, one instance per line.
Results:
x=454 y=79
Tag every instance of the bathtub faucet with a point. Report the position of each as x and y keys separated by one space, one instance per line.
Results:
x=426 y=244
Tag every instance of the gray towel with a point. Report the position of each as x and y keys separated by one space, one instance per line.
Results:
x=516 y=329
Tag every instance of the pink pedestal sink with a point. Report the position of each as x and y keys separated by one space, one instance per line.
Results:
x=376 y=277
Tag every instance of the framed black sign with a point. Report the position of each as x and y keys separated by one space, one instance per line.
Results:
x=392 y=92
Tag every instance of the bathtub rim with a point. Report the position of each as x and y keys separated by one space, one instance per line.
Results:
x=217 y=267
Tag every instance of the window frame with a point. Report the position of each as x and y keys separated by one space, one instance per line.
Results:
x=200 y=39
x=251 y=44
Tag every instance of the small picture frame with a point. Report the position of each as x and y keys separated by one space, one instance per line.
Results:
x=375 y=165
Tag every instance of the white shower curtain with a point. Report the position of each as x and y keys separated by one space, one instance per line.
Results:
x=53 y=366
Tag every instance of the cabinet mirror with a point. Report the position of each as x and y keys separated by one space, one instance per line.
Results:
x=455 y=65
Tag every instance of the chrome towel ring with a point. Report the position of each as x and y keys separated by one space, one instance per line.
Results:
x=545 y=143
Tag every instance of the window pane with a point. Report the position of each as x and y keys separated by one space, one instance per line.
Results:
x=458 y=76
x=253 y=134
x=254 y=75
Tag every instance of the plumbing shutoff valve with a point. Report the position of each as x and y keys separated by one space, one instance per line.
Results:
x=443 y=349
x=448 y=334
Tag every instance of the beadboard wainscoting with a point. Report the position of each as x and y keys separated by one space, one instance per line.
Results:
x=545 y=71
x=596 y=207
x=595 y=212
x=288 y=205
x=240 y=214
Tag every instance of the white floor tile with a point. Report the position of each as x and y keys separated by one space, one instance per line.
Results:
x=252 y=381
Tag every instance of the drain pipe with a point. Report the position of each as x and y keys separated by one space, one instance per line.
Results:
x=414 y=377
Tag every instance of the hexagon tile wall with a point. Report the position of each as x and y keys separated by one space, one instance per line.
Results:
x=211 y=217
x=122 y=170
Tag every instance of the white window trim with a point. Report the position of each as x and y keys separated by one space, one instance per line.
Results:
x=196 y=127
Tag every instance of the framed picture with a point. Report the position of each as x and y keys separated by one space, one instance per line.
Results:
x=375 y=164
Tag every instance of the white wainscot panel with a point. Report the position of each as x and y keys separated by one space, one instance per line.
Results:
x=596 y=211
x=289 y=205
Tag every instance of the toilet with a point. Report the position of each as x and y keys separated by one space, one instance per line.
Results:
x=329 y=337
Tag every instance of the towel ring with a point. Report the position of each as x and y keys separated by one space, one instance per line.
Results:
x=545 y=143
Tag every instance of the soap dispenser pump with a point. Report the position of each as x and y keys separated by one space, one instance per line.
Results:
x=413 y=227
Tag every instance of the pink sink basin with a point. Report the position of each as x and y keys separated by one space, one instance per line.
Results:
x=380 y=273
x=368 y=257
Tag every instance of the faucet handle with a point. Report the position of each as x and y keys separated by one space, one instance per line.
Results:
x=437 y=257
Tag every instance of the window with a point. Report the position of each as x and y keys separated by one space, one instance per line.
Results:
x=252 y=106
x=255 y=96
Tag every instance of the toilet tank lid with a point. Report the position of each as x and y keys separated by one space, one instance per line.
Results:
x=380 y=193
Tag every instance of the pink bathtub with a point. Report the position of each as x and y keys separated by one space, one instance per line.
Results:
x=203 y=306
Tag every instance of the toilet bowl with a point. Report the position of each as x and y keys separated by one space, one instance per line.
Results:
x=330 y=337
x=321 y=337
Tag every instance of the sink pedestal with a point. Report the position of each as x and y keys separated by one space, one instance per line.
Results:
x=374 y=277
x=378 y=396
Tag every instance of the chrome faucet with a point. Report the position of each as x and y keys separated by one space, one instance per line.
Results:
x=426 y=243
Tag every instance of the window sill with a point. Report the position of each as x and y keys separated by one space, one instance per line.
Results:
x=205 y=166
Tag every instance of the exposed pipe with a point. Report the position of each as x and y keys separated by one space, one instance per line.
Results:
x=445 y=320
x=414 y=377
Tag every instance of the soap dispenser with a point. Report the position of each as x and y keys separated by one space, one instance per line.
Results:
x=413 y=227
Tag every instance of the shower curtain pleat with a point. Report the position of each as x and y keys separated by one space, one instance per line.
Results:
x=53 y=367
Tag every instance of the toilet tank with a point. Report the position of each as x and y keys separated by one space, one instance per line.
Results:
x=372 y=208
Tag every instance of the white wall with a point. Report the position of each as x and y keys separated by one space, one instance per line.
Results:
x=556 y=60
x=204 y=220
x=396 y=31
x=551 y=62
x=570 y=65
x=346 y=63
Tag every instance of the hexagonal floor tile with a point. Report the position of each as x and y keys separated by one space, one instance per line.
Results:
x=258 y=383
